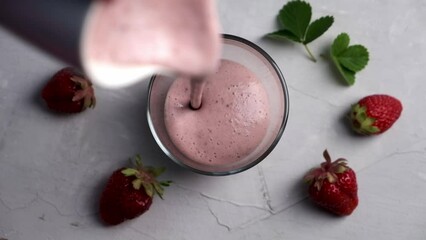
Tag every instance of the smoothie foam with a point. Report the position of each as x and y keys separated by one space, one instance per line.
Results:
x=231 y=123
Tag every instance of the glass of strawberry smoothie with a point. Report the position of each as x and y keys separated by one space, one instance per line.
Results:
x=243 y=113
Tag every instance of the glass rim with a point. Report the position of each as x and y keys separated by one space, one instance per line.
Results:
x=277 y=138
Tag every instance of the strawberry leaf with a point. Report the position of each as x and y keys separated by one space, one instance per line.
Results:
x=354 y=58
x=340 y=44
x=138 y=161
x=137 y=183
x=156 y=171
x=165 y=183
x=145 y=176
x=348 y=59
x=159 y=190
x=149 y=189
x=331 y=177
x=317 y=28
x=341 y=168
x=364 y=124
x=373 y=129
x=129 y=172
x=348 y=75
x=283 y=34
x=295 y=16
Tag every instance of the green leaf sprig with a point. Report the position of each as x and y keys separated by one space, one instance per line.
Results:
x=348 y=59
x=295 y=18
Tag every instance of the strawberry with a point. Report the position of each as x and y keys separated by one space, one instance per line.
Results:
x=333 y=186
x=375 y=114
x=69 y=91
x=129 y=192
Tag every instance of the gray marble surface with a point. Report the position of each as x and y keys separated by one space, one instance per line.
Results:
x=52 y=168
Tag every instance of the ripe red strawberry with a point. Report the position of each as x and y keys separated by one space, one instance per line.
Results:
x=375 y=114
x=69 y=91
x=129 y=192
x=333 y=186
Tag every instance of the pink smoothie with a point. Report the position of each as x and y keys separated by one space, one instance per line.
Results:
x=232 y=121
x=179 y=35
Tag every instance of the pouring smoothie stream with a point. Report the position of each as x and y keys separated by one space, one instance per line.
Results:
x=216 y=111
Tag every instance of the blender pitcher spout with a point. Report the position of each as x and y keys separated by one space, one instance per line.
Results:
x=124 y=42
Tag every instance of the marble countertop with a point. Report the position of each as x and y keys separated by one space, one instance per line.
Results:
x=52 y=168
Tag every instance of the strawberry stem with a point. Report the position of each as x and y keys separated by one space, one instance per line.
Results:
x=311 y=56
x=326 y=171
x=86 y=93
x=327 y=156
x=145 y=176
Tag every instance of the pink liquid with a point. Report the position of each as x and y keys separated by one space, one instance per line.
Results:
x=231 y=122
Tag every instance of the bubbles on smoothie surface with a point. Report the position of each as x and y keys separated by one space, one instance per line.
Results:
x=231 y=121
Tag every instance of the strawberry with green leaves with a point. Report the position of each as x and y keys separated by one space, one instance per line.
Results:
x=129 y=192
x=333 y=186
x=375 y=114
x=69 y=91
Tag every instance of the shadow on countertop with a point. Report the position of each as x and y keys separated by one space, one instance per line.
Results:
x=52 y=25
